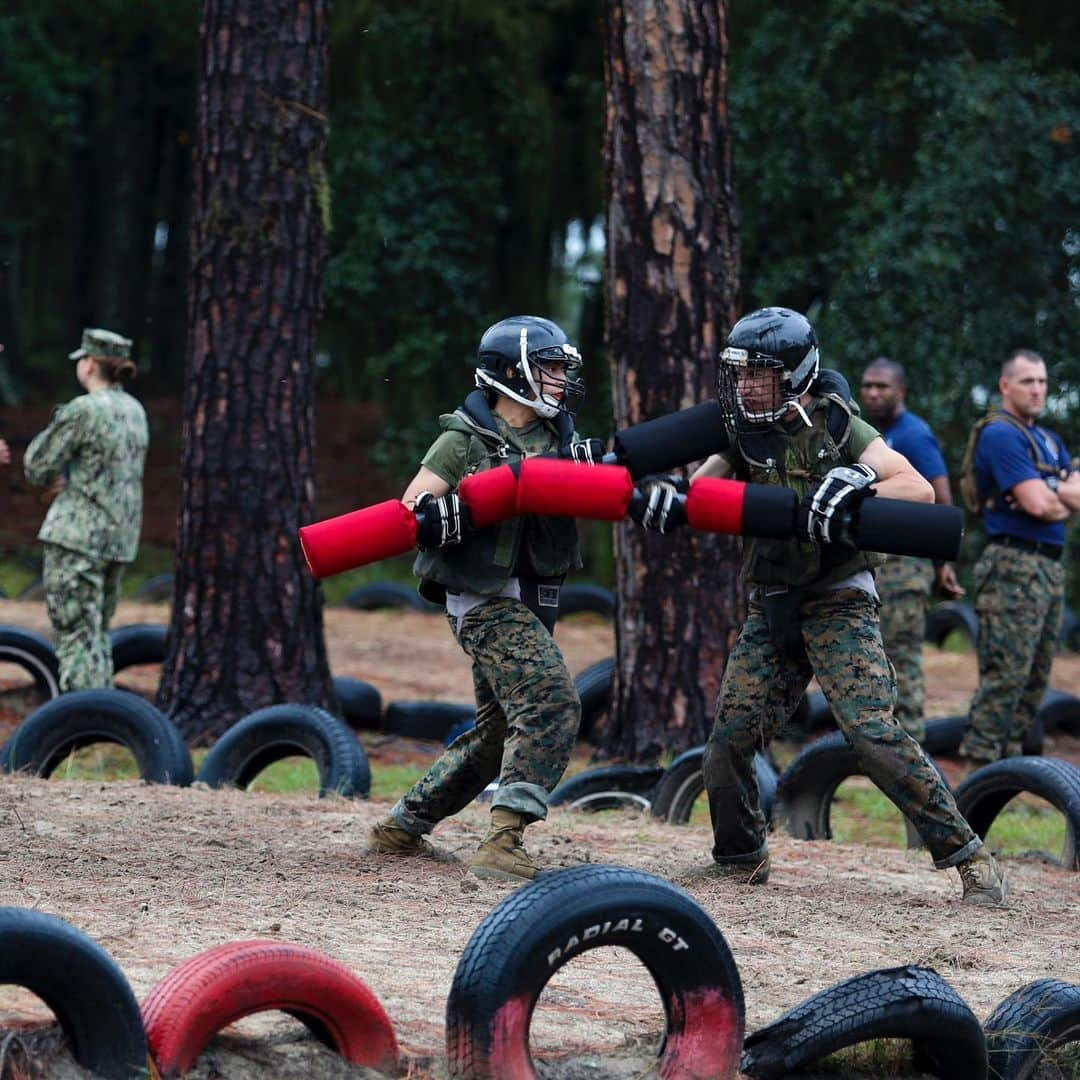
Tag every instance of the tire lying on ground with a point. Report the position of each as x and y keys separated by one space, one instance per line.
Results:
x=377 y=595
x=944 y=734
x=985 y=792
x=683 y=784
x=948 y=617
x=1059 y=712
x=35 y=655
x=361 y=703
x=425 y=719
x=545 y=924
x=608 y=787
x=896 y=1003
x=280 y=731
x=84 y=717
x=574 y=599
x=81 y=984
x=1029 y=1025
x=805 y=790
x=459 y=729
x=156 y=589
x=139 y=643
x=594 y=685
x=220 y=986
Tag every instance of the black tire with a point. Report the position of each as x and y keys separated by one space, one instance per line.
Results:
x=35 y=590
x=944 y=734
x=913 y=1003
x=948 y=617
x=1029 y=1024
x=805 y=790
x=377 y=595
x=578 y=598
x=607 y=787
x=984 y=794
x=1059 y=712
x=683 y=784
x=140 y=643
x=82 y=985
x=819 y=715
x=35 y=655
x=459 y=729
x=361 y=703
x=281 y=731
x=425 y=719
x=540 y=927
x=155 y=590
x=83 y=717
x=594 y=685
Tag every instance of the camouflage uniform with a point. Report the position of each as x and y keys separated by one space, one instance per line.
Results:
x=904 y=584
x=98 y=443
x=1018 y=598
x=839 y=641
x=527 y=707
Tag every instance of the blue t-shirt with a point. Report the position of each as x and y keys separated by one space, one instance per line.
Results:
x=911 y=436
x=1002 y=460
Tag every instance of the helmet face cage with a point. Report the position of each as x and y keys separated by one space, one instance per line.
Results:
x=757 y=389
x=532 y=377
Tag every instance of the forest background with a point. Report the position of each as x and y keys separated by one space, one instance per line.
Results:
x=907 y=174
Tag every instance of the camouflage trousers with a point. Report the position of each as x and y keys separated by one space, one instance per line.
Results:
x=760 y=690
x=1018 y=598
x=527 y=718
x=80 y=596
x=904 y=584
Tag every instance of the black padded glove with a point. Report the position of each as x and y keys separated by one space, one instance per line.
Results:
x=659 y=503
x=839 y=493
x=587 y=451
x=440 y=522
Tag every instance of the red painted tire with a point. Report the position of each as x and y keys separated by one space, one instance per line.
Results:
x=545 y=924
x=219 y=986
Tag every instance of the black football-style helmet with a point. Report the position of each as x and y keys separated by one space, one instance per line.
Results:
x=771 y=357
x=512 y=348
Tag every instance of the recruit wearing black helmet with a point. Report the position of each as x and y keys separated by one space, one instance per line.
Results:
x=512 y=350
x=771 y=358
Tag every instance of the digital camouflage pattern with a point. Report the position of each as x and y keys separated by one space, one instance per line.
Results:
x=98 y=443
x=761 y=689
x=80 y=596
x=1018 y=598
x=527 y=718
x=904 y=584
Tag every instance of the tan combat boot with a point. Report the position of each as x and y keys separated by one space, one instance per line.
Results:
x=501 y=855
x=387 y=837
x=983 y=880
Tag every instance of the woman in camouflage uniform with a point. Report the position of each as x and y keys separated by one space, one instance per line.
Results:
x=500 y=586
x=93 y=452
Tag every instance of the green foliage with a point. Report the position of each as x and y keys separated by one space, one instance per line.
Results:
x=908 y=176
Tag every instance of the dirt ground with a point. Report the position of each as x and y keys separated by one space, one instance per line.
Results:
x=156 y=874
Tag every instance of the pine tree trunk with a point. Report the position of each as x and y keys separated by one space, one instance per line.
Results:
x=672 y=284
x=246 y=626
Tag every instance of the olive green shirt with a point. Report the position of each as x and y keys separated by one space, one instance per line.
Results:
x=98 y=441
x=447 y=456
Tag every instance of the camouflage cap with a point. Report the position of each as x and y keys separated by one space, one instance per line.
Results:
x=96 y=342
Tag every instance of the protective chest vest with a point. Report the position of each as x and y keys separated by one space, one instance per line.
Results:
x=801 y=462
x=485 y=560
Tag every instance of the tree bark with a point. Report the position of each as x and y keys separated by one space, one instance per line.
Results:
x=672 y=292
x=246 y=627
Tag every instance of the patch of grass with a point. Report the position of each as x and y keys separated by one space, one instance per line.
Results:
x=290 y=776
x=1028 y=823
x=874 y=1058
x=392 y=781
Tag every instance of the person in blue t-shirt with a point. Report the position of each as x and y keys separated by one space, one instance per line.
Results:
x=1027 y=489
x=904 y=582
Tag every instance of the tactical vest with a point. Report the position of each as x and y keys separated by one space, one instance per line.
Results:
x=801 y=461
x=975 y=500
x=486 y=559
